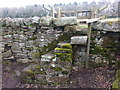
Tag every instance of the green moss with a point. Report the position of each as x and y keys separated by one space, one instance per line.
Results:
x=81 y=63
x=70 y=28
x=66 y=37
x=31 y=25
x=52 y=45
x=36 y=55
x=35 y=43
x=68 y=46
x=56 y=68
x=65 y=72
x=38 y=67
x=97 y=50
x=28 y=76
x=69 y=59
x=33 y=38
x=56 y=83
x=83 y=25
x=29 y=72
x=64 y=56
x=29 y=48
x=116 y=83
x=42 y=72
x=63 y=50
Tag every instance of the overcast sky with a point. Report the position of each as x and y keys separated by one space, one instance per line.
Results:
x=20 y=3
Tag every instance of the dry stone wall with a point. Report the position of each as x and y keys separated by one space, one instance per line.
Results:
x=25 y=41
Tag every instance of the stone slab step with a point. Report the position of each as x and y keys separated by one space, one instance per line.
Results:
x=47 y=57
x=81 y=40
x=64 y=45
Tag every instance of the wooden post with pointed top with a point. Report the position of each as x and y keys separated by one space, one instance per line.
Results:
x=53 y=14
x=88 y=45
x=59 y=13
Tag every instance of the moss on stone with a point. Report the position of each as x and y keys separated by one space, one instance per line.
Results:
x=66 y=37
x=29 y=72
x=116 y=83
x=33 y=38
x=64 y=56
x=63 y=50
x=28 y=76
x=38 y=67
x=31 y=26
x=29 y=48
x=68 y=46
x=65 y=72
x=56 y=68
x=83 y=25
x=42 y=72
x=36 y=55
x=70 y=28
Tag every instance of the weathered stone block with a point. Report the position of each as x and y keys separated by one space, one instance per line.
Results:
x=47 y=57
x=66 y=21
x=82 y=40
x=64 y=45
x=45 y=21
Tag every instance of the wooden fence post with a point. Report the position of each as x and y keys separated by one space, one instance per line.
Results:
x=88 y=45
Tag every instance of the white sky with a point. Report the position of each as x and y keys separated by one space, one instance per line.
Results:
x=20 y=3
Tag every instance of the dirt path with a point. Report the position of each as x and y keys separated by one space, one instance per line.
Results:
x=11 y=75
x=92 y=78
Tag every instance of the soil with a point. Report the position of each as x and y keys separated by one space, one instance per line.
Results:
x=9 y=77
x=101 y=77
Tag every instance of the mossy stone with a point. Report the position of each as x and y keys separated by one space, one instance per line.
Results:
x=56 y=68
x=116 y=83
x=29 y=72
x=70 y=28
x=65 y=72
x=28 y=76
x=68 y=46
x=63 y=50
x=36 y=55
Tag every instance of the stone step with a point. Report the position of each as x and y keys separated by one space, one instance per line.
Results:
x=63 y=45
x=81 y=40
x=47 y=57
